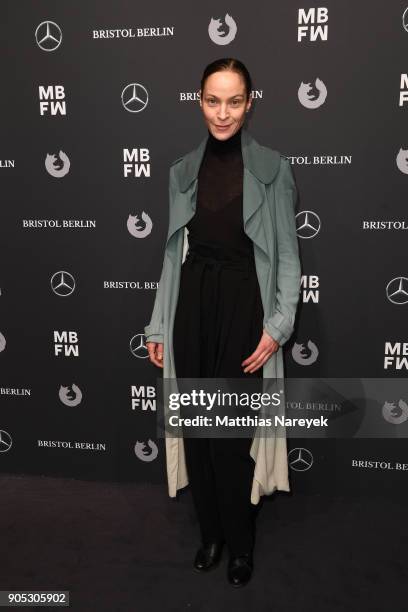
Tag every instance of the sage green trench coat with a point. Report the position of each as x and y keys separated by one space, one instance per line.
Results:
x=269 y=198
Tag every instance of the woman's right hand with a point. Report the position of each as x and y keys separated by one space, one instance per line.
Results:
x=155 y=350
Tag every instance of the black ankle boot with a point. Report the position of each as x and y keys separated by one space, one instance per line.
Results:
x=208 y=556
x=240 y=569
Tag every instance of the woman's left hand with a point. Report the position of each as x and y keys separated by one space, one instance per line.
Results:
x=266 y=347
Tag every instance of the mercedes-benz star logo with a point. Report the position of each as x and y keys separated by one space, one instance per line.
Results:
x=300 y=459
x=48 y=36
x=5 y=441
x=138 y=346
x=134 y=98
x=62 y=283
x=397 y=290
x=405 y=20
x=307 y=224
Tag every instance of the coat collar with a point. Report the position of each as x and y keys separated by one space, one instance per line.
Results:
x=261 y=161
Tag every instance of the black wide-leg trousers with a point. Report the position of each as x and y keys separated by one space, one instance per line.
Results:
x=218 y=323
x=221 y=472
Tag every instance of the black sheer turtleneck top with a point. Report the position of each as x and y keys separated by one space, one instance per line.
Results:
x=218 y=219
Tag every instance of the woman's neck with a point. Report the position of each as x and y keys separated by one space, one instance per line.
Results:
x=222 y=147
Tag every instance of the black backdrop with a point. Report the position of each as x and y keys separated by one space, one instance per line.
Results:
x=77 y=391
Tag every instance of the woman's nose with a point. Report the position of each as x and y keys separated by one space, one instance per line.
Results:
x=223 y=112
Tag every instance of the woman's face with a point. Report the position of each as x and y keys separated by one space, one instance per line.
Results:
x=224 y=103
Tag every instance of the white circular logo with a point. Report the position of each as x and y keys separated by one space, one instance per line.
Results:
x=134 y=228
x=307 y=224
x=217 y=33
x=5 y=441
x=57 y=165
x=397 y=290
x=71 y=395
x=134 y=98
x=405 y=20
x=62 y=283
x=48 y=36
x=138 y=346
x=305 y=355
x=300 y=459
x=146 y=451
x=312 y=96
x=395 y=414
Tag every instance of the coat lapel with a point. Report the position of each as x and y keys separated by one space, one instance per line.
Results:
x=261 y=166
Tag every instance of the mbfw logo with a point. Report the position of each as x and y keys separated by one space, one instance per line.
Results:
x=395 y=414
x=143 y=397
x=403 y=94
x=138 y=346
x=222 y=31
x=397 y=290
x=146 y=451
x=312 y=96
x=309 y=287
x=57 y=165
x=62 y=283
x=300 y=459
x=307 y=224
x=66 y=344
x=305 y=354
x=52 y=100
x=134 y=98
x=71 y=395
x=136 y=163
x=48 y=36
x=135 y=229
x=313 y=19
x=395 y=356
x=2 y=342
x=402 y=160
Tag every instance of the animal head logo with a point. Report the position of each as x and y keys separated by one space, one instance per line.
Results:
x=216 y=33
x=395 y=414
x=57 y=165
x=305 y=355
x=71 y=395
x=312 y=96
x=146 y=451
x=402 y=160
x=134 y=228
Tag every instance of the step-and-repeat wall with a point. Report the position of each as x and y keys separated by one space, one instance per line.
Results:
x=98 y=98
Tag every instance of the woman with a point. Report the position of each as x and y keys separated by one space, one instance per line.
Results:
x=225 y=305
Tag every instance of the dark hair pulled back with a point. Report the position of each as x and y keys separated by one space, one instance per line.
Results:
x=228 y=63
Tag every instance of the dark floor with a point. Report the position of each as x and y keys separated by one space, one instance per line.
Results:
x=129 y=547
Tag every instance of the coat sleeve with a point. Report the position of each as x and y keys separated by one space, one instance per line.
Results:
x=154 y=331
x=281 y=324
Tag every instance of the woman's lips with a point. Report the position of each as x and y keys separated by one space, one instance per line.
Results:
x=222 y=127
